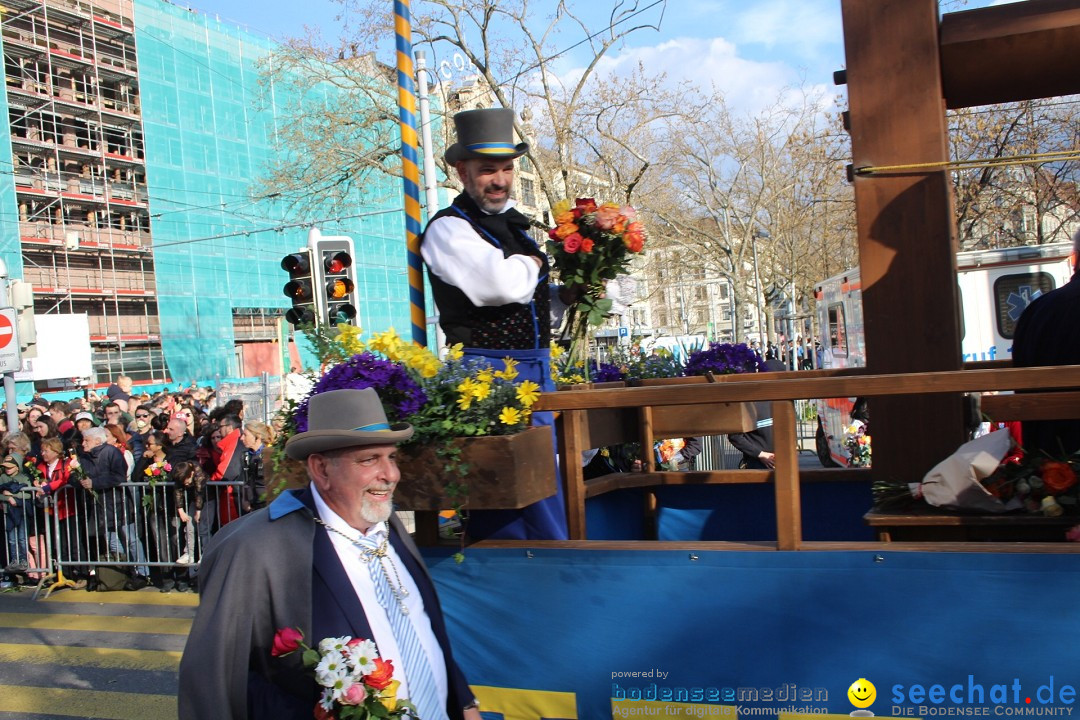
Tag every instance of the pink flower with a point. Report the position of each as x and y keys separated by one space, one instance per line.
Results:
x=607 y=216
x=355 y=695
x=1073 y=535
x=285 y=641
x=572 y=243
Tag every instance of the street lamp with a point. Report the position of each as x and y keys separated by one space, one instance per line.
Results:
x=759 y=295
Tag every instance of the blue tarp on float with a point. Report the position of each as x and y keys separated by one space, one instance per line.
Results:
x=562 y=628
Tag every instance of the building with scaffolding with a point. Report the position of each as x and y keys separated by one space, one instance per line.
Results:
x=137 y=128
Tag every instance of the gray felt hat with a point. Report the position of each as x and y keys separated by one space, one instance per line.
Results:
x=340 y=419
x=487 y=133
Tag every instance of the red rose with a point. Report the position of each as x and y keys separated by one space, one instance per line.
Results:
x=586 y=245
x=322 y=713
x=572 y=243
x=285 y=641
x=1057 y=476
x=553 y=233
x=586 y=205
x=383 y=675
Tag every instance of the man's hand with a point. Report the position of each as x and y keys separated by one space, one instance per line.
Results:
x=87 y=483
x=768 y=458
x=472 y=714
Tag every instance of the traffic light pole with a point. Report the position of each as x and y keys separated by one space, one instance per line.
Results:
x=9 y=377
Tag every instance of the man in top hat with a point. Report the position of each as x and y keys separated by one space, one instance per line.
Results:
x=489 y=279
x=330 y=560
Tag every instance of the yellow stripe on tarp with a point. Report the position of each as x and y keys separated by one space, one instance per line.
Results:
x=516 y=704
x=177 y=599
x=26 y=699
x=117 y=658
x=96 y=623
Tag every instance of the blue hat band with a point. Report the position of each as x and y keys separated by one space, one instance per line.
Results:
x=491 y=148
x=374 y=427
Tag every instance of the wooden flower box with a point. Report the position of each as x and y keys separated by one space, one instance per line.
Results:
x=505 y=472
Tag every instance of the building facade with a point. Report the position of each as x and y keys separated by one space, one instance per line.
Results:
x=138 y=131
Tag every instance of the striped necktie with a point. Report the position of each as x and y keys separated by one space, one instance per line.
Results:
x=422 y=690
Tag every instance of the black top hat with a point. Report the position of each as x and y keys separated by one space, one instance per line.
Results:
x=343 y=419
x=487 y=133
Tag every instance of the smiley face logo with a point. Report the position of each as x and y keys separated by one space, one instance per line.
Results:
x=862 y=693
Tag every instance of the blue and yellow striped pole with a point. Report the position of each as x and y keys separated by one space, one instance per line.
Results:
x=410 y=168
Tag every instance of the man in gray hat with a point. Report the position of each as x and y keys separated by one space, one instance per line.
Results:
x=489 y=279
x=330 y=560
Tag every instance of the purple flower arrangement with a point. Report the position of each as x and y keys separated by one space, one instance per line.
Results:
x=400 y=394
x=724 y=359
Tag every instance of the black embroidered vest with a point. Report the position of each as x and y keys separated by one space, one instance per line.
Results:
x=504 y=327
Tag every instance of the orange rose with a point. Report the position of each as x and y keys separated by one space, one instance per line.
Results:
x=634 y=239
x=1057 y=476
x=382 y=676
x=565 y=230
x=586 y=245
x=564 y=217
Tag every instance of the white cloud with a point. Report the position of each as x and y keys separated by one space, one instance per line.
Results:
x=748 y=85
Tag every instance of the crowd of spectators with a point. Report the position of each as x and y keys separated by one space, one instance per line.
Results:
x=143 y=479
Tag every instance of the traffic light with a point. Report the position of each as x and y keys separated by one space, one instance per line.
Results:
x=22 y=299
x=336 y=278
x=300 y=288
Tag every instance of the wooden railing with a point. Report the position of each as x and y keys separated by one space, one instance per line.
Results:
x=596 y=417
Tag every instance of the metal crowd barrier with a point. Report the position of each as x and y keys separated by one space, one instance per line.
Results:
x=135 y=527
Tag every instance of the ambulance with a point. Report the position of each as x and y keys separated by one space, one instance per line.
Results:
x=995 y=287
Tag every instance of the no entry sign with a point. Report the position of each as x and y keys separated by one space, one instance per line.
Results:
x=9 y=341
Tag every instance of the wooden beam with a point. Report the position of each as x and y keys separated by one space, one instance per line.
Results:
x=1032 y=406
x=876 y=385
x=1007 y=53
x=906 y=224
x=570 y=432
x=788 y=497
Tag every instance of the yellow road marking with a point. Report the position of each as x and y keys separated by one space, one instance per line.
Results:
x=126 y=598
x=96 y=623
x=85 y=703
x=118 y=658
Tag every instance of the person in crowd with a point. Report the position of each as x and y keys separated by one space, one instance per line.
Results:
x=157 y=502
x=119 y=440
x=43 y=428
x=114 y=415
x=255 y=438
x=1048 y=333
x=61 y=417
x=17 y=443
x=138 y=429
x=228 y=466
x=69 y=544
x=17 y=493
x=757 y=446
x=181 y=445
x=105 y=473
x=490 y=281
x=294 y=565
x=189 y=497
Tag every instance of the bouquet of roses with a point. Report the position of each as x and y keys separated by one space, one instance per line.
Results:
x=357 y=683
x=857 y=443
x=590 y=245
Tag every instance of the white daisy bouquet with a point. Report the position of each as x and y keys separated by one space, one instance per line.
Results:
x=357 y=684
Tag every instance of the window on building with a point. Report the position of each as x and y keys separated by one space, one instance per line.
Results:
x=528 y=192
x=701 y=292
x=725 y=290
x=837 y=329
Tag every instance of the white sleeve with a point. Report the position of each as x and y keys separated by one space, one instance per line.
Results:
x=460 y=257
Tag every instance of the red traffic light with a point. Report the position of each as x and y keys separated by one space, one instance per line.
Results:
x=336 y=262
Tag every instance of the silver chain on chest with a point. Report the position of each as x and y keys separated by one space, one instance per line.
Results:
x=382 y=556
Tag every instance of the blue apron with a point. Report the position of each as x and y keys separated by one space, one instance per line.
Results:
x=543 y=520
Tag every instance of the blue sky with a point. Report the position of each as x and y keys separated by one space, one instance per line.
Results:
x=750 y=49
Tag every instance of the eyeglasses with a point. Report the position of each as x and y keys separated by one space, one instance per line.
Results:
x=142 y=415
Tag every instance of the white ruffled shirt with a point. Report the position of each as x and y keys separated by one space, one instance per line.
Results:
x=459 y=256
